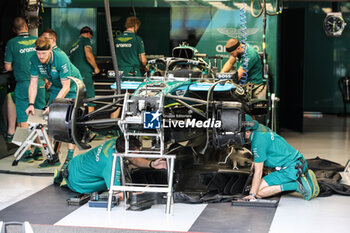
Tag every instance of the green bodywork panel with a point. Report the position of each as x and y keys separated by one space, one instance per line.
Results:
x=170 y=87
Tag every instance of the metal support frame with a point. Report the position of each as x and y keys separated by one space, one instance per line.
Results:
x=347 y=166
x=274 y=100
x=36 y=131
x=141 y=187
x=124 y=122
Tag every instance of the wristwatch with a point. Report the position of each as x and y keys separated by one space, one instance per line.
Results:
x=150 y=164
x=334 y=24
x=252 y=194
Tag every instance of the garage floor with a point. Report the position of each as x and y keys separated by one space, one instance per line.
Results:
x=35 y=199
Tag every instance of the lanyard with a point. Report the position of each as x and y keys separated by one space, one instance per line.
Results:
x=47 y=68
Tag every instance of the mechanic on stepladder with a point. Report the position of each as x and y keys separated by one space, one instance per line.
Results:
x=291 y=172
x=130 y=49
x=254 y=68
x=83 y=58
x=91 y=171
x=19 y=50
x=55 y=66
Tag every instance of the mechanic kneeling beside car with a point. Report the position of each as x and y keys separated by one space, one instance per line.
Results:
x=291 y=172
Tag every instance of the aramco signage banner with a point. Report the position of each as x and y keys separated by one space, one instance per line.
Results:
x=227 y=24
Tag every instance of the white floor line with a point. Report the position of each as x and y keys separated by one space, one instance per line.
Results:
x=182 y=218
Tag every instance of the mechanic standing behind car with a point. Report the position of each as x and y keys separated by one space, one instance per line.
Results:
x=50 y=34
x=82 y=57
x=130 y=49
x=55 y=66
x=19 y=50
x=253 y=70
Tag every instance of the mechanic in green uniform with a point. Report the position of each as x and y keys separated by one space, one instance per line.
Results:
x=91 y=171
x=253 y=70
x=11 y=116
x=52 y=36
x=291 y=172
x=130 y=49
x=57 y=68
x=82 y=57
x=19 y=50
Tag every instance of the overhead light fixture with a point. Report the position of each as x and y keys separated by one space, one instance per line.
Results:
x=345 y=9
x=269 y=7
x=327 y=10
x=240 y=5
x=219 y=5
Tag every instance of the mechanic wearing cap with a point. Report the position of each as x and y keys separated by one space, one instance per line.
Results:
x=254 y=67
x=57 y=68
x=91 y=171
x=130 y=49
x=291 y=172
x=19 y=50
x=82 y=57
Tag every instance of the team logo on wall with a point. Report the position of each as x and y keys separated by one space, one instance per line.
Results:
x=235 y=32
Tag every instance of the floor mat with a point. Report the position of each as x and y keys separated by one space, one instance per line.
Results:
x=223 y=217
x=154 y=219
x=44 y=207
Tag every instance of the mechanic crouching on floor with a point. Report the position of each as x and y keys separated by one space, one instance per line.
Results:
x=291 y=172
x=91 y=171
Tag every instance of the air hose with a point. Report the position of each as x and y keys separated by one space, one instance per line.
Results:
x=244 y=35
x=263 y=10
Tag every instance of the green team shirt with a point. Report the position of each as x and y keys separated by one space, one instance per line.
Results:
x=77 y=55
x=272 y=149
x=58 y=68
x=128 y=47
x=57 y=49
x=254 y=69
x=91 y=171
x=18 y=51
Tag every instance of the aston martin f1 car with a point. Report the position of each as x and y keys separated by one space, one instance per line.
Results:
x=183 y=100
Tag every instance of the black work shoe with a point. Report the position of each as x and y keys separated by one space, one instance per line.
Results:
x=49 y=163
x=27 y=157
x=57 y=177
x=311 y=178
x=9 y=137
x=38 y=155
x=304 y=188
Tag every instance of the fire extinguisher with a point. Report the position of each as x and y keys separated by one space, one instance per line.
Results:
x=344 y=86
